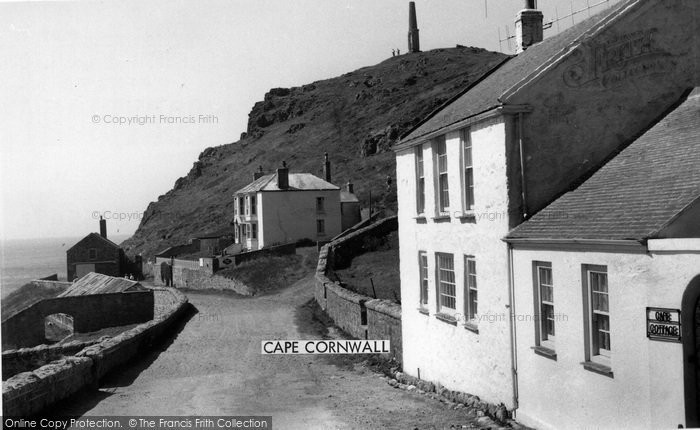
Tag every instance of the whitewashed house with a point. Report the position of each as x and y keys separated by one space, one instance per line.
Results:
x=285 y=207
x=610 y=274
x=505 y=148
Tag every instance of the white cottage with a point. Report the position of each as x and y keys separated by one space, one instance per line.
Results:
x=286 y=207
x=607 y=280
x=510 y=144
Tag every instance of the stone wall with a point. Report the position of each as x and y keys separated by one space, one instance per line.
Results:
x=26 y=359
x=29 y=393
x=90 y=313
x=360 y=316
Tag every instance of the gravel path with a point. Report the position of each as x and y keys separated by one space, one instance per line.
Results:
x=214 y=367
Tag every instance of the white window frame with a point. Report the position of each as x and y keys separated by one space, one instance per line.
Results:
x=594 y=352
x=253 y=204
x=442 y=173
x=446 y=284
x=465 y=141
x=542 y=336
x=471 y=292
x=423 y=276
x=254 y=231
x=420 y=180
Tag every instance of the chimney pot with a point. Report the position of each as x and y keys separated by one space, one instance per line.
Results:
x=326 y=167
x=103 y=227
x=283 y=177
x=528 y=27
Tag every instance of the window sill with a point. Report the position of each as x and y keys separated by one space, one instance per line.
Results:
x=441 y=218
x=423 y=311
x=545 y=352
x=449 y=319
x=471 y=327
x=420 y=219
x=598 y=368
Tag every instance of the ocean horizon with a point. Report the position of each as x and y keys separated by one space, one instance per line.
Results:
x=22 y=260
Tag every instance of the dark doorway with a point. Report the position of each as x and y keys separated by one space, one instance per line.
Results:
x=690 y=333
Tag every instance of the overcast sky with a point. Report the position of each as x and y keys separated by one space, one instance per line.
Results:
x=70 y=70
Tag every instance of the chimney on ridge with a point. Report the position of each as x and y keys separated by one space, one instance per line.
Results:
x=528 y=27
x=413 y=41
x=283 y=177
x=326 y=168
x=350 y=187
x=259 y=173
x=103 y=227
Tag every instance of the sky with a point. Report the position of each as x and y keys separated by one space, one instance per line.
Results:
x=106 y=103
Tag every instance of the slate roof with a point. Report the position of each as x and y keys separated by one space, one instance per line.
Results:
x=109 y=242
x=638 y=192
x=97 y=283
x=297 y=182
x=487 y=92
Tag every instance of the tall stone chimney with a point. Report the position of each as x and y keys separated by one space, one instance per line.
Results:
x=413 y=41
x=103 y=227
x=528 y=27
x=283 y=177
x=259 y=173
x=326 y=168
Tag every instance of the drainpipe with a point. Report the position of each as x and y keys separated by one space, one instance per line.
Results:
x=523 y=188
x=513 y=334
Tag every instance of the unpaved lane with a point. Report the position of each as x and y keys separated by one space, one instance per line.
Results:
x=214 y=367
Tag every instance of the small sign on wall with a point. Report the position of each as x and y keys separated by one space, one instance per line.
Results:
x=664 y=324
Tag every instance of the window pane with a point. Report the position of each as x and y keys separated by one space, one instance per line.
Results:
x=469 y=188
x=444 y=192
x=446 y=280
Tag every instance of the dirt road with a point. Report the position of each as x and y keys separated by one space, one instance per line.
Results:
x=213 y=366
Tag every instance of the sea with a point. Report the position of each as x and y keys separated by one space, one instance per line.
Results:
x=22 y=260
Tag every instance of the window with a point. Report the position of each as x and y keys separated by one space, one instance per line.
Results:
x=471 y=296
x=244 y=231
x=468 y=196
x=254 y=231
x=235 y=206
x=447 y=300
x=544 y=295
x=253 y=204
x=320 y=203
x=420 y=181
x=423 y=272
x=320 y=226
x=241 y=206
x=443 y=185
x=597 y=314
x=92 y=253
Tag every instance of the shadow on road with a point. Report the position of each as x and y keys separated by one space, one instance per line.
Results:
x=123 y=375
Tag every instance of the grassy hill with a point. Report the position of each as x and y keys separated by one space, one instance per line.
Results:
x=355 y=117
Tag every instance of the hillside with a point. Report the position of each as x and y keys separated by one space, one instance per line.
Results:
x=355 y=117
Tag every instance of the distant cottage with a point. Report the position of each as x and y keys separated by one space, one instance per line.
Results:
x=286 y=207
x=95 y=253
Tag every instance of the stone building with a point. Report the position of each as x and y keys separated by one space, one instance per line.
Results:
x=95 y=253
x=610 y=273
x=519 y=137
x=285 y=207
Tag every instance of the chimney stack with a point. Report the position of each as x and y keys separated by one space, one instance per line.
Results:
x=283 y=177
x=259 y=173
x=103 y=227
x=413 y=41
x=326 y=168
x=350 y=187
x=528 y=26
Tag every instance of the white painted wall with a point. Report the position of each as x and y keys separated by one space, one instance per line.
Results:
x=647 y=388
x=458 y=358
x=287 y=216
